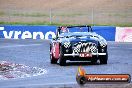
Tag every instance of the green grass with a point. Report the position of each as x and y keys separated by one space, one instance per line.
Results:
x=46 y=15
x=120 y=25
x=30 y=14
x=34 y=23
x=61 y=24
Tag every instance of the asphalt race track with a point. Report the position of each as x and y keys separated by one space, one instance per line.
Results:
x=35 y=53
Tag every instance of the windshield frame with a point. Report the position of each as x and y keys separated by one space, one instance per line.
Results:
x=78 y=34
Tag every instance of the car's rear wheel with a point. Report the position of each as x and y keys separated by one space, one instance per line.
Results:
x=62 y=59
x=52 y=59
x=104 y=59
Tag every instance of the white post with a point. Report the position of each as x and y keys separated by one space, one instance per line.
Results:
x=50 y=16
x=93 y=16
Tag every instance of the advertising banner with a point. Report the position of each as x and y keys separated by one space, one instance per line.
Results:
x=27 y=32
x=47 y=32
x=123 y=34
x=108 y=32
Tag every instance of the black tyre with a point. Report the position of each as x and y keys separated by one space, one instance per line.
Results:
x=52 y=59
x=62 y=59
x=94 y=60
x=104 y=59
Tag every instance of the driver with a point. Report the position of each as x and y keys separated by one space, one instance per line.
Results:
x=64 y=30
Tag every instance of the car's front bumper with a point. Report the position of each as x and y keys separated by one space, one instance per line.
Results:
x=73 y=54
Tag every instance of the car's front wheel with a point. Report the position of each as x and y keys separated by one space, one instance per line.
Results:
x=62 y=60
x=94 y=60
x=104 y=59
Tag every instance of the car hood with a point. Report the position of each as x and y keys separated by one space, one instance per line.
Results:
x=80 y=39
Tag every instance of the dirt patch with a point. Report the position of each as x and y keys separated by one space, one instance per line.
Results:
x=67 y=11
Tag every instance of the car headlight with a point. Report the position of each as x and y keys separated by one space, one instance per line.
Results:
x=67 y=44
x=102 y=50
x=103 y=43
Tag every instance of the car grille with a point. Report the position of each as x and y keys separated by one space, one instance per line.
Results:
x=88 y=47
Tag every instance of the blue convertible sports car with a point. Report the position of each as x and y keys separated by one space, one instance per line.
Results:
x=78 y=43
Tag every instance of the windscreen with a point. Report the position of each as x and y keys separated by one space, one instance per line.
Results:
x=73 y=29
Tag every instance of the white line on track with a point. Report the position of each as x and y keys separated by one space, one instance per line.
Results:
x=114 y=47
x=8 y=46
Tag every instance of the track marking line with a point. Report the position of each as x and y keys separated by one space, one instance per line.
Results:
x=19 y=45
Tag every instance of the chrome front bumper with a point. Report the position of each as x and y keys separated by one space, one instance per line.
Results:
x=73 y=54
